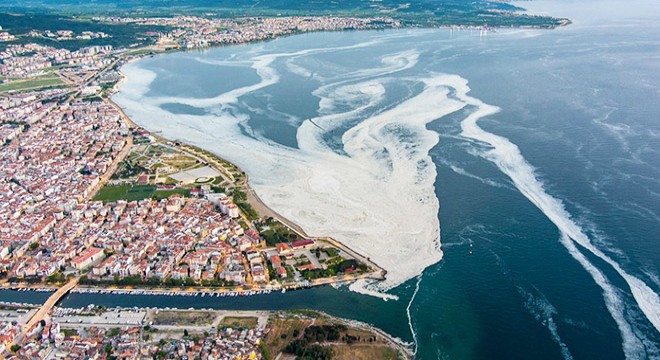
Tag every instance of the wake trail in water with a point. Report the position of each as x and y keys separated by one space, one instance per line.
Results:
x=544 y=312
x=410 y=324
x=508 y=158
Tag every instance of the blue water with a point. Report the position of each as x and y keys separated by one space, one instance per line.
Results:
x=580 y=103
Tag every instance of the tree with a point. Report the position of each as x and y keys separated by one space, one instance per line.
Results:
x=264 y=351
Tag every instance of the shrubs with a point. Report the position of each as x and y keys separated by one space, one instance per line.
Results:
x=306 y=348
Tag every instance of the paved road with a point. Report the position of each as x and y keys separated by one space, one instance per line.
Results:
x=312 y=259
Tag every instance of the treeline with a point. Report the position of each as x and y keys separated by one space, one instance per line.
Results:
x=153 y=282
x=308 y=348
x=275 y=232
x=333 y=270
x=240 y=199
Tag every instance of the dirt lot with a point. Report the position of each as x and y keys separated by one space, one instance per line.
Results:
x=185 y=317
x=363 y=352
x=281 y=333
x=239 y=322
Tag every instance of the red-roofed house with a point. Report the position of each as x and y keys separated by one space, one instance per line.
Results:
x=283 y=248
x=303 y=244
x=306 y=267
x=276 y=261
x=87 y=258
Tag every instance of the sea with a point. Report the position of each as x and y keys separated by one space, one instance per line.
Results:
x=508 y=180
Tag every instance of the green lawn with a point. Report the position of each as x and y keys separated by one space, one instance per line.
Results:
x=162 y=194
x=124 y=192
x=48 y=80
x=135 y=192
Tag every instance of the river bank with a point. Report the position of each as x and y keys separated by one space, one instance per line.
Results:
x=328 y=299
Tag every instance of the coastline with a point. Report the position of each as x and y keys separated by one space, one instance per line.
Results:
x=358 y=225
x=377 y=274
x=404 y=349
x=253 y=198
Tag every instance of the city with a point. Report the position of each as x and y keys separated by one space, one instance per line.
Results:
x=90 y=200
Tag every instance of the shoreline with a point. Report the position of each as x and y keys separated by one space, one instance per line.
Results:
x=404 y=347
x=379 y=275
x=252 y=197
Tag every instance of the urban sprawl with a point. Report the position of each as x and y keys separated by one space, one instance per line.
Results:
x=90 y=200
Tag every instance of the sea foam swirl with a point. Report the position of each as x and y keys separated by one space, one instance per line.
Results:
x=508 y=158
x=375 y=195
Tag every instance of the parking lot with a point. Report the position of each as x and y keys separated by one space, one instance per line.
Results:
x=108 y=318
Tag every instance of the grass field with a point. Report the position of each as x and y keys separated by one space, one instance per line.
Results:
x=239 y=322
x=135 y=192
x=162 y=194
x=124 y=192
x=47 y=80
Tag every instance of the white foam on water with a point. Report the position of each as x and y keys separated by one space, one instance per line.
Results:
x=543 y=311
x=508 y=158
x=261 y=64
x=459 y=170
x=364 y=287
x=410 y=324
x=632 y=346
x=390 y=202
x=377 y=197
x=298 y=70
